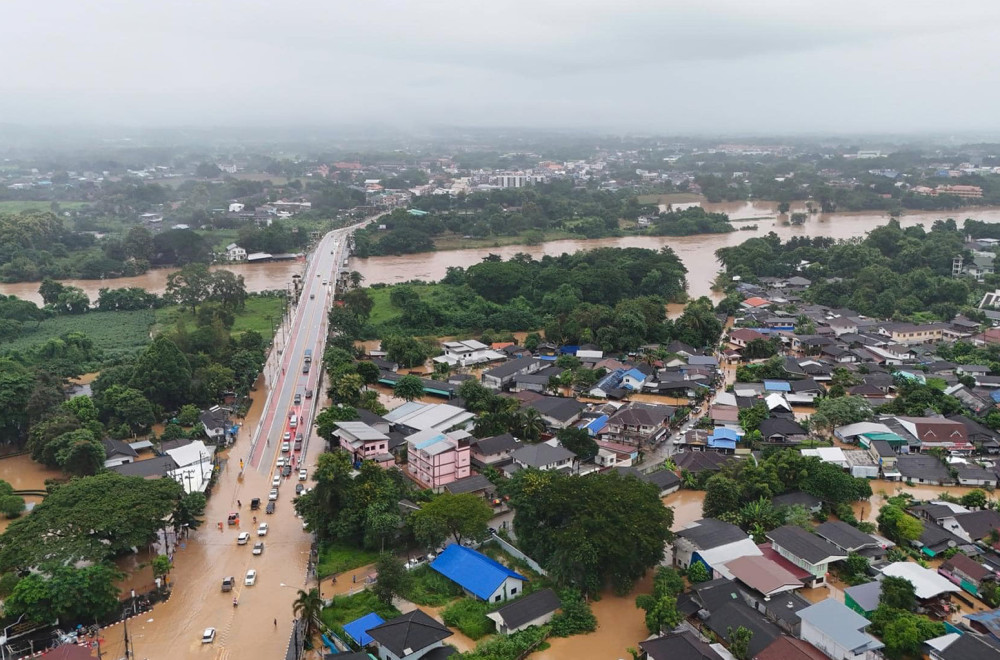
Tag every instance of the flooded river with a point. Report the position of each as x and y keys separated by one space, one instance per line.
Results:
x=697 y=252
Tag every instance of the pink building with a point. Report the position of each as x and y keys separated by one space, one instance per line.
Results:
x=364 y=443
x=435 y=459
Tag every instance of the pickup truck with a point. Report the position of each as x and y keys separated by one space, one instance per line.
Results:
x=227 y=583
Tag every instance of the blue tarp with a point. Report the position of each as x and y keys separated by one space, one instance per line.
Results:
x=570 y=350
x=358 y=629
x=777 y=386
x=473 y=571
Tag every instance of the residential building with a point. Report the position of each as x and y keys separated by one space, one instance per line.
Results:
x=558 y=412
x=535 y=609
x=850 y=539
x=117 y=452
x=678 y=646
x=782 y=431
x=466 y=353
x=640 y=424
x=364 y=443
x=736 y=613
x=964 y=647
x=500 y=377
x=435 y=459
x=790 y=648
x=410 y=636
x=838 y=631
x=216 y=423
x=417 y=416
x=235 y=253
x=763 y=575
x=927 y=583
x=477 y=574
x=966 y=573
x=938 y=432
x=714 y=543
x=544 y=456
x=152 y=468
x=805 y=550
x=923 y=469
x=864 y=598
x=494 y=450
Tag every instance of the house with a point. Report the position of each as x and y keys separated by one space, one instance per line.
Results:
x=966 y=573
x=927 y=584
x=493 y=450
x=195 y=466
x=358 y=629
x=964 y=647
x=763 y=575
x=937 y=432
x=535 y=609
x=839 y=631
x=923 y=469
x=849 y=539
x=435 y=459
x=477 y=574
x=640 y=424
x=117 y=452
x=152 y=468
x=476 y=484
x=501 y=377
x=235 y=253
x=466 y=353
x=789 y=648
x=417 y=416
x=982 y=437
x=216 y=423
x=697 y=462
x=714 y=543
x=409 y=637
x=986 y=623
x=734 y=614
x=805 y=550
x=976 y=526
x=544 y=456
x=743 y=336
x=558 y=411
x=364 y=443
x=864 y=598
x=678 y=646
x=535 y=382
x=781 y=430
x=665 y=481
x=883 y=455
x=971 y=474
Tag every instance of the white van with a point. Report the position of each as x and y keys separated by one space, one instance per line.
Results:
x=293 y=421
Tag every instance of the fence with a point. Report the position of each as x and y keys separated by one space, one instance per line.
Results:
x=514 y=552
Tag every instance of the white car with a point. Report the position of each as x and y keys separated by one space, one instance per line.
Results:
x=262 y=530
x=325 y=282
x=286 y=447
x=280 y=462
x=303 y=474
x=243 y=538
x=287 y=436
x=273 y=495
x=208 y=636
x=276 y=481
x=250 y=579
x=258 y=548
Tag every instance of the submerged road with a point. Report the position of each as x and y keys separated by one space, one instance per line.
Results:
x=261 y=625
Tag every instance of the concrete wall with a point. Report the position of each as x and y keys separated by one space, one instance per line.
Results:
x=514 y=552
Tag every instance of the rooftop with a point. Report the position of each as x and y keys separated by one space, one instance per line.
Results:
x=409 y=633
x=927 y=583
x=710 y=533
x=528 y=608
x=804 y=545
x=841 y=624
x=473 y=571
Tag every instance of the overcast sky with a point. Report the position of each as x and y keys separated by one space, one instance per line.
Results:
x=706 y=66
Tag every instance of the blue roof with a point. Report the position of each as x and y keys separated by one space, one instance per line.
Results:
x=777 y=386
x=995 y=395
x=547 y=358
x=721 y=443
x=473 y=571
x=636 y=374
x=569 y=350
x=722 y=433
x=358 y=629
x=595 y=425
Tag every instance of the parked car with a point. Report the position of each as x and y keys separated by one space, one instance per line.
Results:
x=251 y=578
x=299 y=488
x=208 y=636
x=286 y=470
x=298 y=444
x=273 y=495
x=243 y=538
x=303 y=474
x=270 y=507
x=280 y=461
x=262 y=529
x=228 y=582
x=286 y=447
x=297 y=399
x=309 y=394
x=287 y=436
x=276 y=480
x=258 y=548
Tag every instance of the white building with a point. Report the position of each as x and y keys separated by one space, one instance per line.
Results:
x=235 y=253
x=236 y=207
x=838 y=631
x=195 y=463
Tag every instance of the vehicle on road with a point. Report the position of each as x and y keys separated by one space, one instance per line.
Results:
x=273 y=495
x=208 y=636
x=243 y=538
x=299 y=488
x=303 y=474
x=233 y=518
x=298 y=398
x=287 y=436
x=298 y=443
x=286 y=470
x=308 y=355
x=258 y=547
x=228 y=583
x=285 y=447
x=276 y=481
x=270 y=507
x=262 y=530
x=325 y=282
x=280 y=461
x=312 y=296
x=255 y=504
x=293 y=421
x=309 y=394
x=250 y=579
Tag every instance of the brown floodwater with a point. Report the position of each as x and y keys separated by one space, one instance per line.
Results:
x=697 y=252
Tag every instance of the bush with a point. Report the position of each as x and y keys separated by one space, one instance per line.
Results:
x=335 y=559
x=428 y=587
x=510 y=647
x=469 y=616
x=348 y=608
x=576 y=617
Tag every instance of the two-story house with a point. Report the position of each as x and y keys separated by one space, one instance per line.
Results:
x=839 y=631
x=938 y=432
x=544 y=456
x=467 y=352
x=640 y=424
x=805 y=550
x=364 y=443
x=235 y=253
x=435 y=459
x=713 y=543
x=500 y=377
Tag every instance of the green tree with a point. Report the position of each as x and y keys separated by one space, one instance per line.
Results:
x=405 y=351
x=83 y=407
x=161 y=566
x=898 y=525
x=578 y=441
x=529 y=425
x=307 y=608
x=368 y=371
x=974 y=499
x=163 y=374
x=697 y=573
x=190 y=286
x=125 y=405
x=227 y=288
x=833 y=412
x=393 y=578
x=408 y=388
x=463 y=516
x=189 y=415
x=661 y=605
x=898 y=593
x=83 y=455
x=722 y=495
x=345 y=388
x=326 y=420
x=739 y=642
x=49 y=290
x=68 y=594
x=189 y=512
x=751 y=418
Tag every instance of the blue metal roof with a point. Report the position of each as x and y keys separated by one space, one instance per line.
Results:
x=473 y=571
x=358 y=629
x=777 y=386
x=634 y=373
x=721 y=443
x=722 y=433
x=995 y=395
x=594 y=426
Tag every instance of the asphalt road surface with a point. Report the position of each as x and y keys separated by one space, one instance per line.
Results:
x=173 y=629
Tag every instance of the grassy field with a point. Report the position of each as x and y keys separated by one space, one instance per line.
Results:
x=219 y=238
x=383 y=309
x=457 y=242
x=335 y=559
x=428 y=587
x=15 y=206
x=348 y=608
x=670 y=198
x=253 y=317
x=115 y=333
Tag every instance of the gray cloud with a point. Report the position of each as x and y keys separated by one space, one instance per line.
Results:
x=646 y=65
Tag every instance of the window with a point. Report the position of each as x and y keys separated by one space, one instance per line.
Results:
x=513 y=591
x=497 y=599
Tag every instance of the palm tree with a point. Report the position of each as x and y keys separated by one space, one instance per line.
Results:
x=308 y=607
x=530 y=424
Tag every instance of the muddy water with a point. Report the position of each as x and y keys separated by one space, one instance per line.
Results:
x=686 y=505
x=697 y=252
x=258 y=277
x=882 y=490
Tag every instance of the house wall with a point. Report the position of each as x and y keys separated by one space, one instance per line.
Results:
x=818 y=571
x=511 y=588
x=438 y=470
x=683 y=549
x=504 y=630
x=829 y=646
